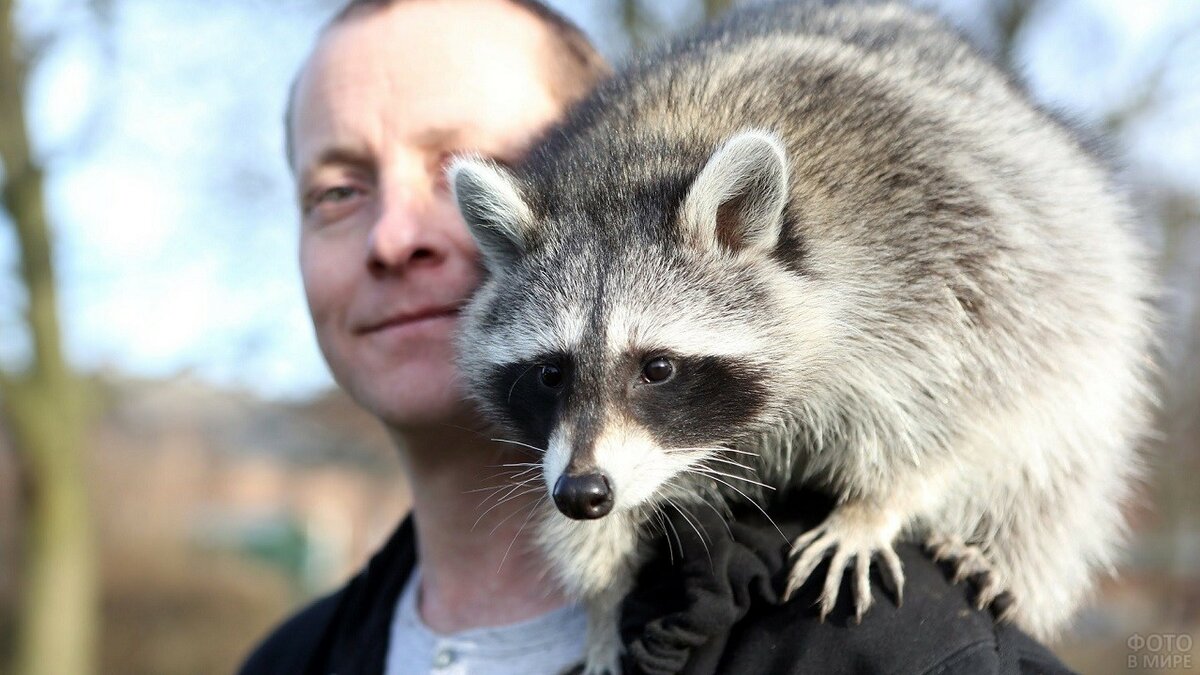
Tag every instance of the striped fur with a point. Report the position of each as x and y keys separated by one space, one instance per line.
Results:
x=944 y=323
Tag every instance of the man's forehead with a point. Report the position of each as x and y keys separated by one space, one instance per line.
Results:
x=425 y=65
x=420 y=44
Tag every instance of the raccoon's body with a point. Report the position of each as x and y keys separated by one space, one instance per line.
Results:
x=834 y=245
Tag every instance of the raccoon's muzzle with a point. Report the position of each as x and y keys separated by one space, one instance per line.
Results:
x=583 y=497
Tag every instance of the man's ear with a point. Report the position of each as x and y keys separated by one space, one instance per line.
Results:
x=737 y=200
x=491 y=204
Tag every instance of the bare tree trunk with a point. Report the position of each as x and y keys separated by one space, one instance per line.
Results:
x=713 y=8
x=56 y=627
x=633 y=21
x=1011 y=17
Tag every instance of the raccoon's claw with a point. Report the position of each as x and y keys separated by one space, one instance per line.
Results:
x=893 y=572
x=970 y=564
x=854 y=533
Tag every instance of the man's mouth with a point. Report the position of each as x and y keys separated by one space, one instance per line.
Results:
x=410 y=318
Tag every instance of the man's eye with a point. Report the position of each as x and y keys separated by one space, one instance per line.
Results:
x=330 y=200
x=336 y=194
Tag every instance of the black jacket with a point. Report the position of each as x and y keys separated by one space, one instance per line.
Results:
x=699 y=607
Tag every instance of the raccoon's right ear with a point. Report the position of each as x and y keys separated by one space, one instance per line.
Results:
x=737 y=200
x=491 y=204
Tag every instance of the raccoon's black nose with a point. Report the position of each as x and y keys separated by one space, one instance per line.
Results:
x=585 y=497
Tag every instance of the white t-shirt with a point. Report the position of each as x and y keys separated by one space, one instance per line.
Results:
x=548 y=644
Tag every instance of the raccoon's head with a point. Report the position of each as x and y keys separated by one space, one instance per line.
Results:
x=636 y=345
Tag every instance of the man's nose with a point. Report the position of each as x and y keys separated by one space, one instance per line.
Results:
x=400 y=237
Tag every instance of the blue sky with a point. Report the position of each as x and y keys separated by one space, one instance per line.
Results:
x=174 y=221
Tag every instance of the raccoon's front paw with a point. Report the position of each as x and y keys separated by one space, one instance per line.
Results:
x=971 y=564
x=855 y=532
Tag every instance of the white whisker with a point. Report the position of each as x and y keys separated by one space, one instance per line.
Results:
x=726 y=460
x=699 y=534
x=724 y=519
x=506 y=518
x=740 y=452
x=760 y=509
x=514 y=465
x=507 y=498
x=716 y=450
x=524 y=445
x=532 y=511
x=662 y=523
x=711 y=471
x=508 y=399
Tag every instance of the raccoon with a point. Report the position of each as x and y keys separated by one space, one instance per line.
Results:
x=818 y=245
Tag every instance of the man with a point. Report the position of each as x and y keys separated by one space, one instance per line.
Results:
x=392 y=90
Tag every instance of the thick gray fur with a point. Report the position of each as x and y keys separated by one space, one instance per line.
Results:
x=946 y=319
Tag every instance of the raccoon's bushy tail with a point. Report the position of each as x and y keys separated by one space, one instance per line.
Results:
x=1052 y=528
x=1053 y=546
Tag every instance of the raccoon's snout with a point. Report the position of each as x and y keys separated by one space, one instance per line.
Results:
x=584 y=497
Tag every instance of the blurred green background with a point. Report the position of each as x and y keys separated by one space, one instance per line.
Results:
x=177 y=470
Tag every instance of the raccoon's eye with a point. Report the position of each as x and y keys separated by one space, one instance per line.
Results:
x=551 y=377
x=658 y=370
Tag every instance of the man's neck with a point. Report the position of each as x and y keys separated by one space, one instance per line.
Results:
x=479 y=567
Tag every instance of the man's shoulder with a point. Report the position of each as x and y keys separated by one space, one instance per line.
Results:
x=346 y=630
x=290 y=647
x=714 y=603
x=935 y=630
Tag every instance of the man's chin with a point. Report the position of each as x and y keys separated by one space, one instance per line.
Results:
x=408 y=421
x=441 y=412
x=413 y=394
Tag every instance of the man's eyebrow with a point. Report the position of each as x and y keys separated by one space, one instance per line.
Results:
x=340 y=156
x=443 y=137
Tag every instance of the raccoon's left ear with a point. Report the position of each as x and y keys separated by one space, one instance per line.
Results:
x=491 y=204
x=737 y=201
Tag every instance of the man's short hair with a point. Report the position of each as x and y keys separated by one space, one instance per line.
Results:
x=574 y=69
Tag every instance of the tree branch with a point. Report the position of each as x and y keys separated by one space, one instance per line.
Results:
x=21 y=196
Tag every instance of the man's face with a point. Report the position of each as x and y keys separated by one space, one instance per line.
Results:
x=387 y=97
